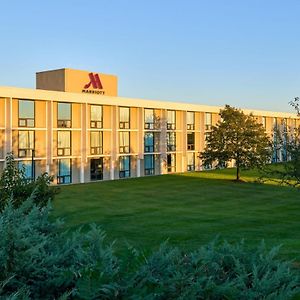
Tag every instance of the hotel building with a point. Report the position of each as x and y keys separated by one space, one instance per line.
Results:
x=75 y=127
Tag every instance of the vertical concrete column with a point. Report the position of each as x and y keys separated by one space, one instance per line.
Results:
x=113 y=141
x=83 y=142
x=8 y=126
x=140 y=123
x=49 y=134
x=163 y=142
x=184 y=142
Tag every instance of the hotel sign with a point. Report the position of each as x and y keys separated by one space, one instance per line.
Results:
x=94 y=86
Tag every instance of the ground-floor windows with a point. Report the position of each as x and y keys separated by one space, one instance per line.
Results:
x=28 y=167
x=171 y=163
x=191 y=161
x=149 y=164
x=124 y=167
x=97 y=169
x=64 y=171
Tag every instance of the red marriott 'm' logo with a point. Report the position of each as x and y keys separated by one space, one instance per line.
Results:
x=94 y=81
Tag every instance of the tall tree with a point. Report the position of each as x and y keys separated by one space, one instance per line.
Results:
x=237 y=137
x=288 y=140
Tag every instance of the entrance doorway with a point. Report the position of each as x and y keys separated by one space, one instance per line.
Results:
x=97 y=169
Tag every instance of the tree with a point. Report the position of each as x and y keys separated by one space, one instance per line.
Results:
x=237 y=137
x=13 y=182
x=287 y=140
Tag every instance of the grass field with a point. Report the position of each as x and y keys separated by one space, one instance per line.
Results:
x=188 y=209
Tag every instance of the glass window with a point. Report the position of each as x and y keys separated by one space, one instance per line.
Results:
x=96 y=142
x=28 y=167
x=124 y=170
x=64 y=171
x=64 y=115
x=171 y=162
x=190 y=120
x=124 y=117
x=149 y=118
x=191 y=161
x=26 y=113
x=96 y=116
x=208 y=121
x=191 y=141
x=149 y=142
x=149 y=164
x=171 y=120
x=63 y=143
x=124 y=146
x=26 y=143
x=171 y=141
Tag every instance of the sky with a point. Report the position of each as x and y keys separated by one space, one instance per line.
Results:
x=243 y=53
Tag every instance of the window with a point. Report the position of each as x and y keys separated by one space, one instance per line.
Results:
x=26 y=143
x=96 y=142
x=149 y=118
x=149 y=142
x=96 y=116
x=124 y=146
x=171 y=162
x=191 y=161
x=63 y=143
x=97 y=169
x=28 y=167
x=64 y=115
x=149 y=164
x=124 y=117
x=171 y=141
x=26 y=113
x=208 y=121
x=171 y=120
x=64 y=171
x=190 y=120
x=124 y=170
x=191 y=141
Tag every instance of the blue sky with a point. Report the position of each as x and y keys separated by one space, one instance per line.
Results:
x=243 y=53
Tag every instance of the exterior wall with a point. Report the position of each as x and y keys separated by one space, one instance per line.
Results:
x=74 y=81
x=46 y=128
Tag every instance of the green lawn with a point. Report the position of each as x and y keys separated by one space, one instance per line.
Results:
x=188 y=209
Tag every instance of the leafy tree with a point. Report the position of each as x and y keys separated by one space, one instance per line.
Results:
x=237 y=137
x=287 y=139
x=14 y=182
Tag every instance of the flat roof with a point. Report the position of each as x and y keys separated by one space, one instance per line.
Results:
x=37 y=94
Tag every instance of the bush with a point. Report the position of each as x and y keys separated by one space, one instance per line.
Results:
x=41 y=261
x=13 y=182
x=216 y=271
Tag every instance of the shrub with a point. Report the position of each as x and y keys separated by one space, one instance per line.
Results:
x=14 y=182
x=216 y=271
x=41 y=261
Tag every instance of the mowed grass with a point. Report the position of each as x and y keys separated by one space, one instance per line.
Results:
x=187 y=209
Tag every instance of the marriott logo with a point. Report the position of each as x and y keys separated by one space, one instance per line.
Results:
x=95 y=83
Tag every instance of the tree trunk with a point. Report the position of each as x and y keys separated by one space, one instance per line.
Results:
x=237 y=172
